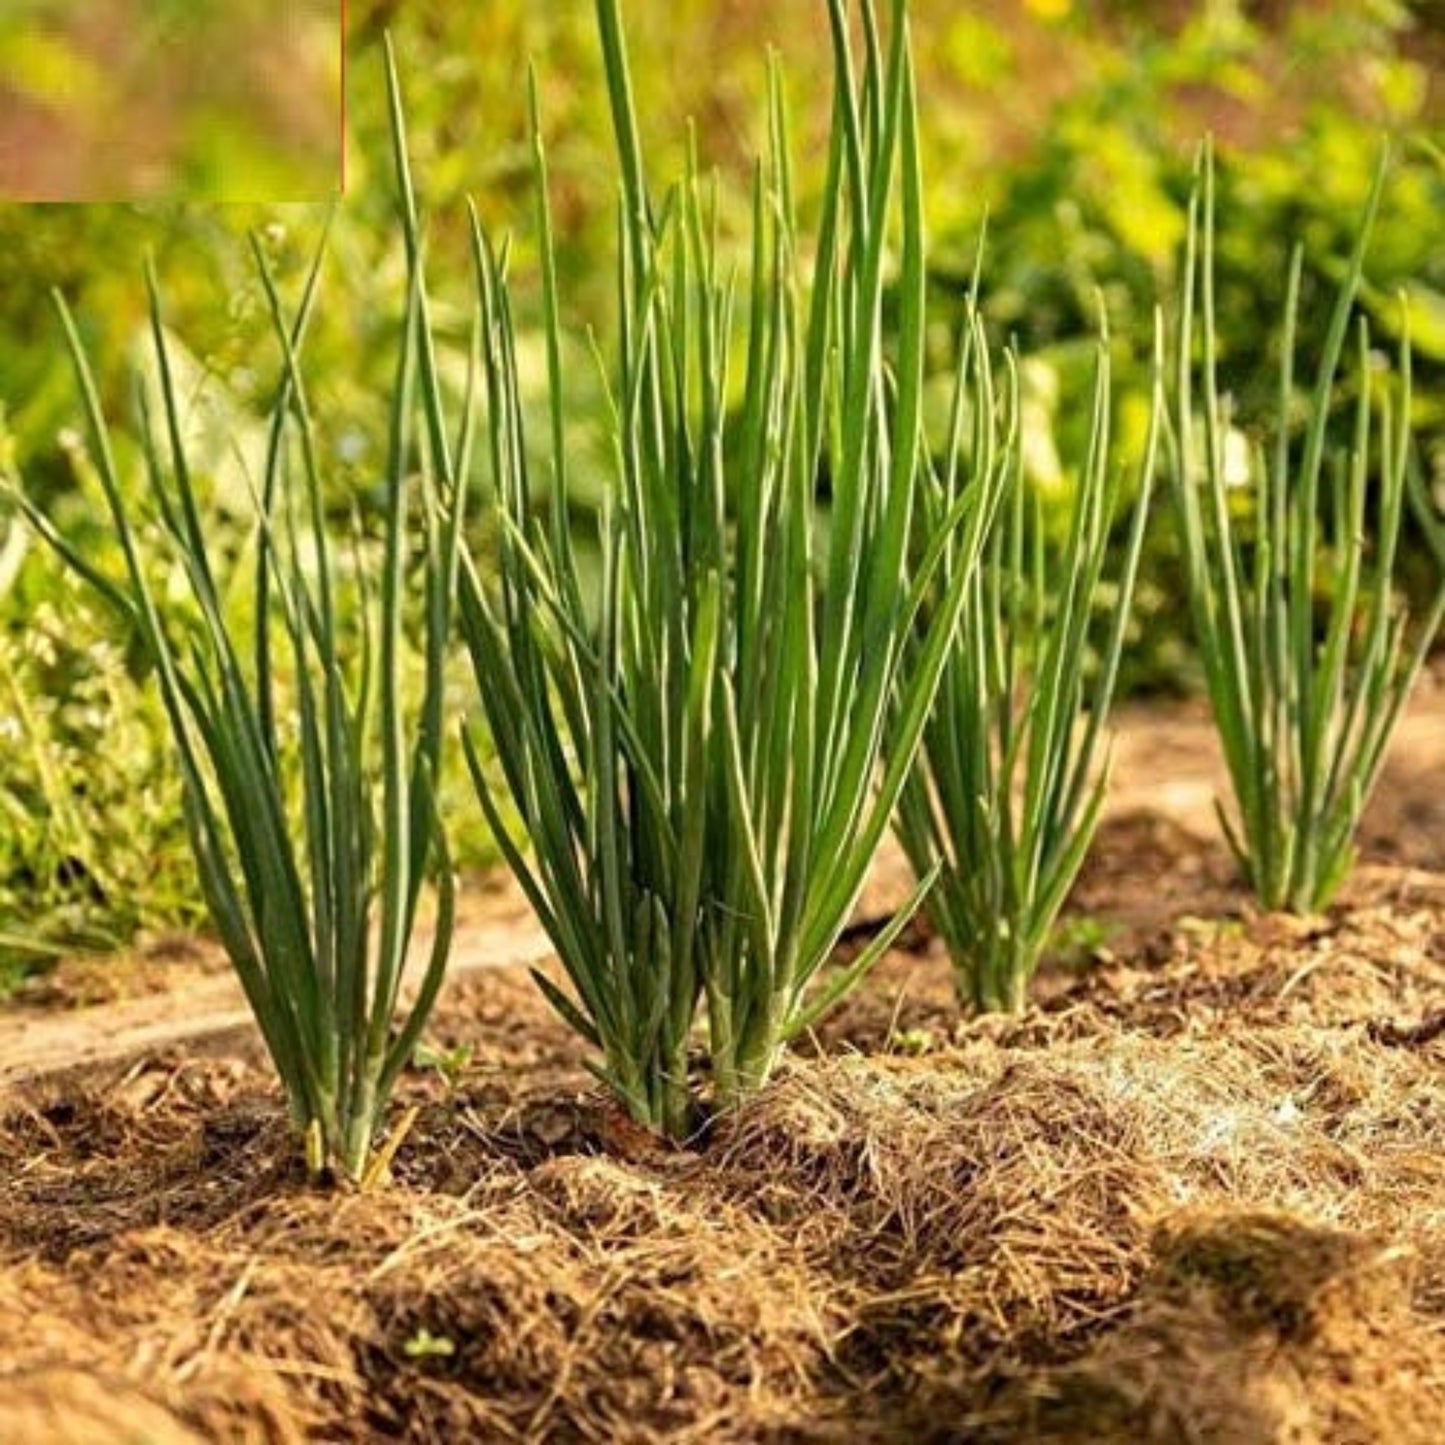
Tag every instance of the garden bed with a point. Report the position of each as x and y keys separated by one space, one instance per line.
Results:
x=1197 y=1192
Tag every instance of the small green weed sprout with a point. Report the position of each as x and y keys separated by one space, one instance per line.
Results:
x=1005 y=797
x=424 y=1345
x=695 y=753
x=1306 y=687
x=316 y=913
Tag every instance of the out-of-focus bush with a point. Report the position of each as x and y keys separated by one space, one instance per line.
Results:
x=1301 y=98
x=92 y=843
x=1071 y=123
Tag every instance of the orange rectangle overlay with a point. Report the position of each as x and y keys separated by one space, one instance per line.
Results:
x=171 y=99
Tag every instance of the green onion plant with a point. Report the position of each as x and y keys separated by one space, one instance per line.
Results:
x=316 y=911
x=694 y=749
x=1291 y=578
x=1004 y=799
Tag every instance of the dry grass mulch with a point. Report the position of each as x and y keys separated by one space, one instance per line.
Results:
x=1197 y=1193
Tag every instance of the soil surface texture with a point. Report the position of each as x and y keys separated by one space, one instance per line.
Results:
x=1195 y=1193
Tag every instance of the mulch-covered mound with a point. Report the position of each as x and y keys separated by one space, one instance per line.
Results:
x=1196 y=1194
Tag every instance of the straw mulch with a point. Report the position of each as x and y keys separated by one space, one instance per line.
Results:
x=1197 y=1194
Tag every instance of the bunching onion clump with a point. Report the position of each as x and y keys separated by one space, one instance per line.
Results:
x=1005 y=798
x=316 y=912
x=1291 y=580
x=695 y=750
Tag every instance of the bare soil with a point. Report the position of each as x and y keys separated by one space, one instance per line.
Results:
x=1197 y=1193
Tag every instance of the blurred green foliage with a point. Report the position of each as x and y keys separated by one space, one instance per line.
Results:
x=1070 y=124
x=92 y=844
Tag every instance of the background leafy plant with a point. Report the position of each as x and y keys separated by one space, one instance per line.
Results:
x=89 y=853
